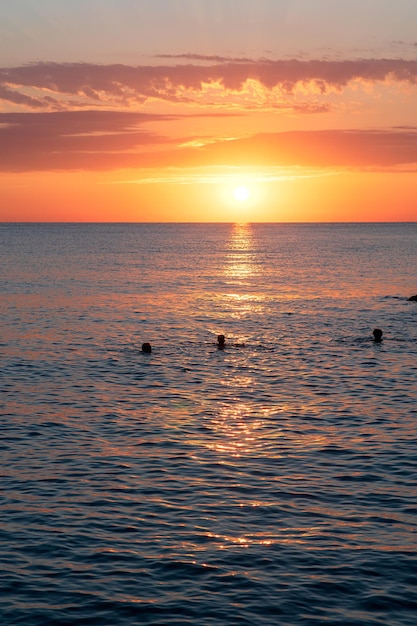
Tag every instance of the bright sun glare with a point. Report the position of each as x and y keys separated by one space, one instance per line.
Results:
x=241 y=193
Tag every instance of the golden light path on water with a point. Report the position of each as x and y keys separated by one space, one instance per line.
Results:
x=240 y=262
x=237 y=433
x=239 y=427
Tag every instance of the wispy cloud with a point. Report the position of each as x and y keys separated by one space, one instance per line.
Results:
x=176 y=176
x=362 y=149
x=206 y=58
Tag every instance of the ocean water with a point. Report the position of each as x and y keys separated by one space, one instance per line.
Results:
x=273 y=482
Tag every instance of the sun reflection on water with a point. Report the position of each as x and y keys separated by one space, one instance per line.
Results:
x=244 y=304
x=241 y=271
x=236 y=430
x=241 y=262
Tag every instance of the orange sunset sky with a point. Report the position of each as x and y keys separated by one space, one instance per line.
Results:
x=140 y=110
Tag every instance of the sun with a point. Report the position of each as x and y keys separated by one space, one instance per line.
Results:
x=241 y=193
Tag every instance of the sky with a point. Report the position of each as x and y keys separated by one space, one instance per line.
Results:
x=159 y=110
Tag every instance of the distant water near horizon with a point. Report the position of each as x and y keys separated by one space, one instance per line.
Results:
x=269 y=483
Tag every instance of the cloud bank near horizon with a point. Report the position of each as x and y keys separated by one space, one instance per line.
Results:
x=108 y=140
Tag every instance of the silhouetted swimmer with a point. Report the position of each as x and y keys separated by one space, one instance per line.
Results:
x=377 y=333
x=221 y=343
x=146 y=347
x=412 y=299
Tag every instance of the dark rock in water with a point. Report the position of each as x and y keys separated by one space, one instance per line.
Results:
x=412 y=299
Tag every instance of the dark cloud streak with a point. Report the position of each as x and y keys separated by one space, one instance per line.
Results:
x=105 y=140
x=73 y=139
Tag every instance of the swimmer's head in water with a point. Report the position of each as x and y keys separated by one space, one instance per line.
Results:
x=146 y=347
x=221 y=340
x=377 y=333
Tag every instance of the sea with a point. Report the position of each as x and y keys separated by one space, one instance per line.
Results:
x=271 y=482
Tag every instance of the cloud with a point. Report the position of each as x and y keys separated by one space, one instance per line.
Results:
x=108 y=140
x=206 y=58
x=356 y=149
x=16 y=97
x=34 y=85
x=328 y=148
x=70 y=140
x=175 y=176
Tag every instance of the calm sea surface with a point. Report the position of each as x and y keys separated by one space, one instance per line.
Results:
x=270 y=483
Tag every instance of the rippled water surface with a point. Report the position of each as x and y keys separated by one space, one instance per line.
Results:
x=272 y=482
